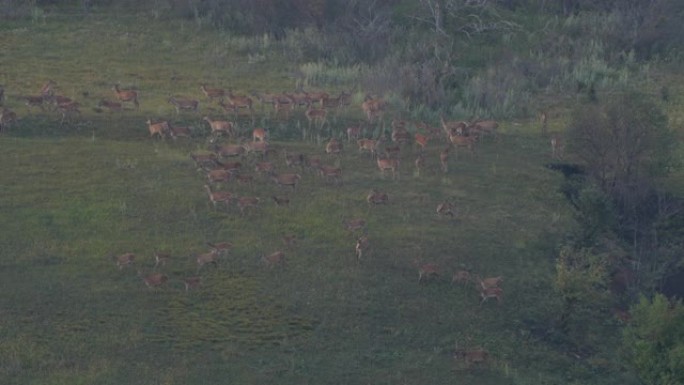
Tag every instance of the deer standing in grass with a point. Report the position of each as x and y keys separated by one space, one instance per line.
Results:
x=192 y=282
x=124 y=260
x=362 y=245
x=217 y=197
x=153 y=279
x=213 y=93
x=557 y=146
x=385 y=164
x=376 y=198
x=207 y=258
x=316 y=116
x=426 y=271
x=219 y=127
x=159 y=128
x=184 y=104
x=274 y=259
x=128 y=96
x=286 y=179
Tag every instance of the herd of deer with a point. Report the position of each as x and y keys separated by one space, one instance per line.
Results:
x=224 y=164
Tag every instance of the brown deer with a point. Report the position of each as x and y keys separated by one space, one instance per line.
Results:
x=470 y=357
x=444 y=159
x=230 y=150
x=213 y=93
x=274 y=259
x=353 y=133
x=362 y=245
x=421 y=140
x=557 y=146
x=160 y=128
x=111 y=106
x=124 y=260
x=446 y=209
x=177 y=132
x=244 y=203
x=331 y=174
x=207 y=258
x=239 y=101
x=160 y=259
x=376 y=198
x=490 y=282
x=221 y=248
x=153 y=279
x=334 y=147
x=260 y=148
x=264 y=167
x=217 y=197
x=491 y=292
x=281 y=200
x=463 y=141
x=369 y=145
x=453 y=127
x=286 y=179
x=192 y=282
x=419 y=163
x=354 y=225
x=128 y=96
x=385 y=164
x=184 y=104
x=462 y=277
x=219 y=176
x=259 y=135
x=220 y=126
x=373 y=108
x=485 y=127
x=316 y=116
x=426 y=271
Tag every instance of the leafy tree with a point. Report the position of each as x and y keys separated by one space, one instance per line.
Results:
x=626 y=145
x=654 y=341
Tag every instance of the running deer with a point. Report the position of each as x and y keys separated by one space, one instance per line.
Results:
x=129 y=96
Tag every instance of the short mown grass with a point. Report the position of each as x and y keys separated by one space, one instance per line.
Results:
x=74 y=194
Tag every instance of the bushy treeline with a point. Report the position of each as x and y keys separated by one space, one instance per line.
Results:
x=498 y=58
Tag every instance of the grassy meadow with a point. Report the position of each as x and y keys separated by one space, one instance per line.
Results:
x=76 y=193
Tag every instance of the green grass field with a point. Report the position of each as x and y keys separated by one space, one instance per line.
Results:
x=76 y=193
